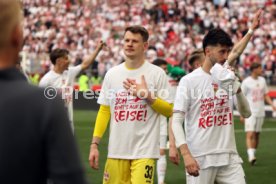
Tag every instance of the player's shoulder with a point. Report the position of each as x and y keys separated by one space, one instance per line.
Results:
x=155 y=70
x=262 y=79
x=49 y=74
x=195 y=73
x=74 y=69
x=186 y=78
x=47 y=78
x=115 y=70
x=247 y=79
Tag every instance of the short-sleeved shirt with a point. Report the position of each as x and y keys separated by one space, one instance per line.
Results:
x=208 y=120
x=64 y=84
x=134 y=125
x=254 y=90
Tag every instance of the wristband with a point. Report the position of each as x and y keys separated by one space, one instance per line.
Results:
x=95 y=143
x=250 y=31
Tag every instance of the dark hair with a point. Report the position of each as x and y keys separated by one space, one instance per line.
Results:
x=139 y=30
x=159 y=62
x=254 y=66
x=195 y=55
x=217 y=36
x=57 y=53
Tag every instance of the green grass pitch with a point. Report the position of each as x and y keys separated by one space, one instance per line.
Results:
x=263 y=173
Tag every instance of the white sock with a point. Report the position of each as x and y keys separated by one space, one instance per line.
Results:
x=161 y=168
x=251 y=153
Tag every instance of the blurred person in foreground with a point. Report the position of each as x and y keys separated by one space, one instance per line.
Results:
x=36 y=142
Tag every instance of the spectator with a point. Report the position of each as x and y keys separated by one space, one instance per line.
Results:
x=178 y=26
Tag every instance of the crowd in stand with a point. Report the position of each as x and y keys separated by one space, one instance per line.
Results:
x=176 y=27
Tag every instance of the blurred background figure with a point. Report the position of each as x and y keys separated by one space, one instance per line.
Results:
x=255 y=89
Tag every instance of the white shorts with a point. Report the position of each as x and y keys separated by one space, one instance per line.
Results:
x=230 y=174
x=254 y=124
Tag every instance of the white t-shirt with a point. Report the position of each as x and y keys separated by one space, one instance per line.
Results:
x=64 y=84
x=208 y=120
x=134 y=125
x=254 y=90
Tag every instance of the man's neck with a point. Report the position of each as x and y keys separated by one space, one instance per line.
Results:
x=207 y=65
x=254 y=76
x=58 y=69
x=7 y=59
x=134 y=63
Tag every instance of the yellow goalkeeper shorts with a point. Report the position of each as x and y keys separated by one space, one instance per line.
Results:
x=119 y=171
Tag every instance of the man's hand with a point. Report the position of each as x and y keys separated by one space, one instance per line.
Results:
x=101 y=45
x=94 y=156
x=191 y=165
x=174 y=155
x=256 y=20
x=137 y=89
x=241 y=119
x=90 y=60
x=273 y=107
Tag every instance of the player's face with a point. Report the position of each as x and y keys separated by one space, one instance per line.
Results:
x=218 y=54
x=64 y=62
x=259 y=71
x=134 y=46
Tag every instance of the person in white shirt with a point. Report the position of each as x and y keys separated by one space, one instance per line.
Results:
x=208 y=145
x=223 y=76
x=133 y=97
x=255 y=89
x=62 y=77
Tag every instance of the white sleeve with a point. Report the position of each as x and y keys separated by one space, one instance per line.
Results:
x=243 y=105
x=74 y=71
x=106 y=93
x=182 y=100
x=224 y=76
x=177 y=128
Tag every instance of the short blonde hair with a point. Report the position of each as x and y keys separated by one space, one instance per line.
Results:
x=10 y=16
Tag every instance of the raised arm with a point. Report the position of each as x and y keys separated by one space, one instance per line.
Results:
x=87 y=62
x=241 y=45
